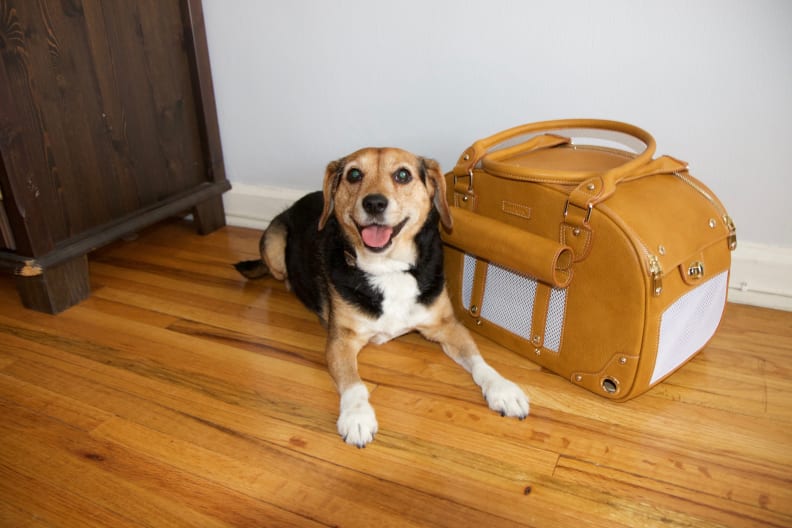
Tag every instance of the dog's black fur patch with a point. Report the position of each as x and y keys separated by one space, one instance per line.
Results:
x=428 y=271
x=314 y=258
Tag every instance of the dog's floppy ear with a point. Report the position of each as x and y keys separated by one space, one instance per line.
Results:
x=436 y=183
x=333 y=173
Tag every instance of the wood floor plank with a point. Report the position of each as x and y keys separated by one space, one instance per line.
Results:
x=330 y=497
x=56 y=406
x=28 y=501
x=63 y=453
x=676 y=505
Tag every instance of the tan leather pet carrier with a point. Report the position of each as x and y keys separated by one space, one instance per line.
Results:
x=605 y=265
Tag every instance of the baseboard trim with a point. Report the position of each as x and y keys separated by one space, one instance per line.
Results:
x=255 y=206
x=761 y=275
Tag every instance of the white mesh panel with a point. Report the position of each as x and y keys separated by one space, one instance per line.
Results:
x=555 y=319
x=689 y=323
x=468 y=270
x=508 y=300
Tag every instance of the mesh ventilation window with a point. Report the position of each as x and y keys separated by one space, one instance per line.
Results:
x=555 y=319
x=508 y=300
x=689 y=323
x=468 y=271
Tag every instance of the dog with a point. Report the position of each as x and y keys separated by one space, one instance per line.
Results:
x=365 y=255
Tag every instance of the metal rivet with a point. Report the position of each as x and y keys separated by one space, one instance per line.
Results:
x=576 y=231
x=538 y=351
x=474 y=309
x=578 y=378
x=467 y=157
x=478 y=322
x=591 y=186
x=661 y=249
x=536 y=340
x=712 y=223
x=465 y=198
x=622 y=360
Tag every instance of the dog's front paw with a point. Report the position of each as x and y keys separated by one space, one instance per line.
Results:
x=502 y=395
x=357 y=423
x=507 y=398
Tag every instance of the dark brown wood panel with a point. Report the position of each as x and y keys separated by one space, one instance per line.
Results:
x=104 y=90
x=107 y=124
x=6 y=235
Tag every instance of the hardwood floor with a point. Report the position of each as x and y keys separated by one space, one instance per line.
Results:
x=181 y=395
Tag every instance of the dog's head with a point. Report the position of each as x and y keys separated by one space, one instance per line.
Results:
x=381 y=197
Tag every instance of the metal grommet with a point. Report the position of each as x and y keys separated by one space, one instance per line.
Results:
x=610 y=385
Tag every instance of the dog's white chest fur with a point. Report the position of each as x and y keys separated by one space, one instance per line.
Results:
x=401 y=312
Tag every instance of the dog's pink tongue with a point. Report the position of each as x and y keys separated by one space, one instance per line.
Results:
x=376 y=236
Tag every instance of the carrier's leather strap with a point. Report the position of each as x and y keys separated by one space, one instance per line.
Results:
x=473 y=155
x=479 y=281
x=539 y=315
x=594 y=186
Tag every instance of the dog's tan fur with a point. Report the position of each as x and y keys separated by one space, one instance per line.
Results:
x=388 y=271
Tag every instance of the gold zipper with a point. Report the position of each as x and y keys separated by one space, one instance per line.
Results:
x=727 y=220
x=653 y=262
x=656 y=271
x=732 y=231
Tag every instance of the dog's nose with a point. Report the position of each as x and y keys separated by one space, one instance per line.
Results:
x=375 y=203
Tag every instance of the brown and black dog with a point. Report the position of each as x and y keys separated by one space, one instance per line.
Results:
x=365 y=254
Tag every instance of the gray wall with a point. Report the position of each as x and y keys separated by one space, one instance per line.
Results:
x=301 y=82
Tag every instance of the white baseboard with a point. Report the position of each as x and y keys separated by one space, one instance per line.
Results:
x=255 y=206
x=761 y=275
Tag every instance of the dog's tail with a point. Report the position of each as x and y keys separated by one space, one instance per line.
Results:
x=252 y=269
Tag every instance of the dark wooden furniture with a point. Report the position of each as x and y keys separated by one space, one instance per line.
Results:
x=107 y=125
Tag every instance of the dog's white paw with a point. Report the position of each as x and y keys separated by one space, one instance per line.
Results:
x=502 y=395
x=507 y=398
x=357 y=423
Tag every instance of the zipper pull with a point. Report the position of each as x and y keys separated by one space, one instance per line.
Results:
x=657 y=275
x=732 y=231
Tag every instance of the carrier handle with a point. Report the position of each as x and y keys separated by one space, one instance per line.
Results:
x=593 y=186
x=545 y=260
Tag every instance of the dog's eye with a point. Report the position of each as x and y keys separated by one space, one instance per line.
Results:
x=402 y=176
x=354 y=175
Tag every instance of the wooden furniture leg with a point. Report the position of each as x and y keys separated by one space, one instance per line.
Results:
x=56 y=288
x=209 y=215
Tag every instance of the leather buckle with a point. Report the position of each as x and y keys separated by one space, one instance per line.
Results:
x=588 y=212
x=470 y=180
